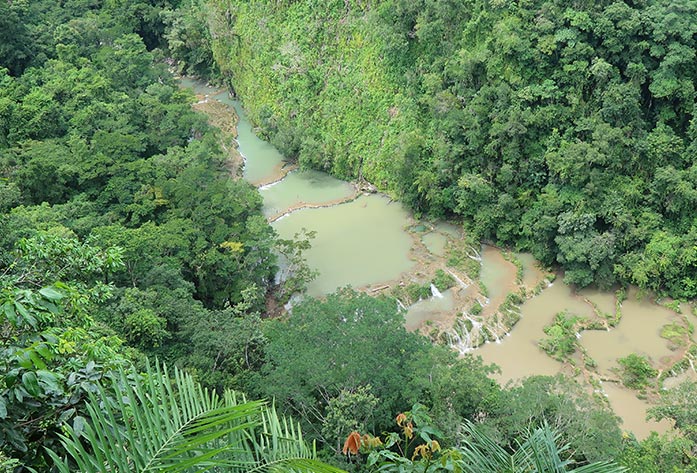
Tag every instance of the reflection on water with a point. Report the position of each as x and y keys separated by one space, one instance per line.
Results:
x=429 y=309
x=606 y=347
x=632 y=411
x=435 y=242
x=497 y=274
x=358 y=243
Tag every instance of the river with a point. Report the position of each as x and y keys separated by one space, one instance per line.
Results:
x=374 y=244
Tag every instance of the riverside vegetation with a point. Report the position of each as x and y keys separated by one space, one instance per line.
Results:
x=123 y=236
x=564 y=130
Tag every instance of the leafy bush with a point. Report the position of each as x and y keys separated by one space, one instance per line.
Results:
x=636 y=371
x=561 y=341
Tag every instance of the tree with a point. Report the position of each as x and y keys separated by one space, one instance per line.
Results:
x=15 y=46
x=188 y=38
x=52 y=353
x=518 y=119
x=588 y=426
x=348 y=411
x=561 y=339
x=666 y=453
x=679 y=405
x=343 y=343
x=636 y=371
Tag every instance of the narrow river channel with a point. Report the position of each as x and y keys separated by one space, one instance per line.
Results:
x=372 y=243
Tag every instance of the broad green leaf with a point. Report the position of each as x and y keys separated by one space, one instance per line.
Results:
x=24 y=360
x=28 y=318
x=78 y=425
x=10 y=313
x=36 y=360
x=31 y=384
x=50 y=293
x=49 y=380
x=44 y=351
x=66 y=415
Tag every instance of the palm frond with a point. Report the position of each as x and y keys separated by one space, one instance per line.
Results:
x=156 y=424
x=539 y=452
x=481 y=453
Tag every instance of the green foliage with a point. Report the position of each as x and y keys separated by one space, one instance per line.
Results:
x=676 y=333
x=538 y=451
x=659 y=454
x=414 y=292
x=145 y=328
x=342 y=343
x=111 y=185
x=53 y=354
x=417 y=439
x=8 y=465
x=158 y=424
x=15 y=50
x=462 y=255
x=295 y=273
x=585 y=423
x=679 y=405
x=348 y=411
x=329 y=348
x=476 y=309
x=443 y=280
x=188 y=38
x=223 y=347
x=565 y=130
x=636 y=371
x=561 y=341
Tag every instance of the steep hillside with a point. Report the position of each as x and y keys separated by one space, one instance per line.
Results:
x=563 y=130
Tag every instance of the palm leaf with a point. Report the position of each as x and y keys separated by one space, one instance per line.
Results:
x=156 y=424
x=539 y=452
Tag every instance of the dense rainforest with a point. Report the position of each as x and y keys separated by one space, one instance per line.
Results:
x=561 y=128
x=128 y=243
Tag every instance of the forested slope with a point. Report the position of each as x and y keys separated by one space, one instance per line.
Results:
x=119 y=222
x=122 y=235
x=563 y=129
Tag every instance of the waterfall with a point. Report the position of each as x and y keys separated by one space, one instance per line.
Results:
x=460 y=343
x=477 y=256
x=400 y=304
x=435 y=291
x=475 y=324
x=455 y=276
